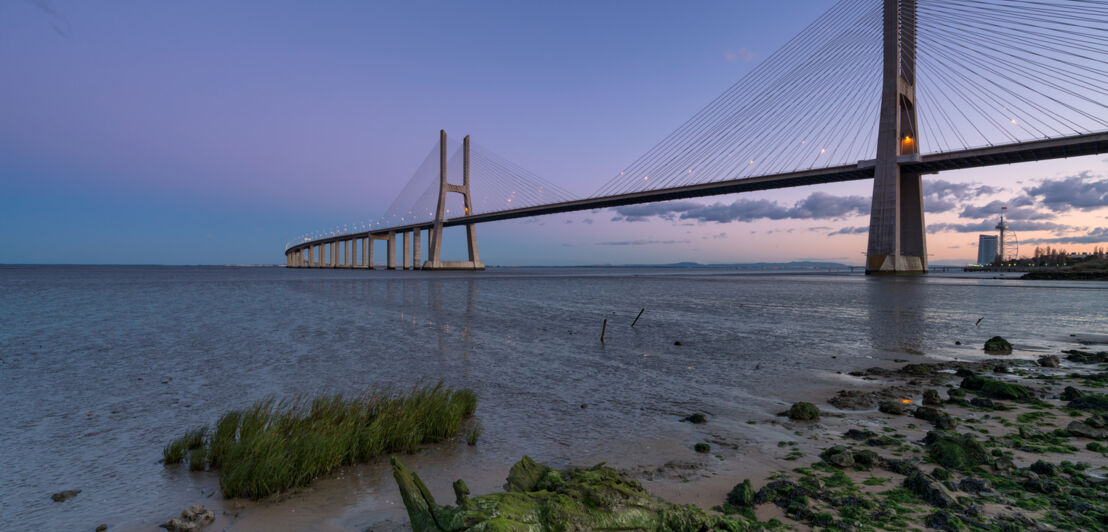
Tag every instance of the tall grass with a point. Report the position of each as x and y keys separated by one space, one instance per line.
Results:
x=278 y=445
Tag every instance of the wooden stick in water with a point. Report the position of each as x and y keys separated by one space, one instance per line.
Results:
x=637 y=317
x=603 y=328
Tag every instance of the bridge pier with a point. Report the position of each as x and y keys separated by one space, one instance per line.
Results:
x=435 y=261
x=406 y=254
x=415 y=249
x=390 y=251
x=897 y=238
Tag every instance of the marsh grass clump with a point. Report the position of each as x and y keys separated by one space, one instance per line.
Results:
x=275 y=446
x=473 y=433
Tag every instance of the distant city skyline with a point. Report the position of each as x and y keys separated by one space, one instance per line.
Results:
x=216 y=134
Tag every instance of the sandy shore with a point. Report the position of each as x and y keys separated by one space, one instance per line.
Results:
x=762 y=448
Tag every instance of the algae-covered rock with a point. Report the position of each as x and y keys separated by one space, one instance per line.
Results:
x=542 y=499
x=954 y=451
x=1005 y=390
x=1090 y=401
x=1049 y=361
x=742 y=494
x=930 y=490
x=895 y=408
x=803 y=411
x=932 y=398
x=998 y=346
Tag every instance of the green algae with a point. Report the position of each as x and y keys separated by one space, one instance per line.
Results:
x=539 y=499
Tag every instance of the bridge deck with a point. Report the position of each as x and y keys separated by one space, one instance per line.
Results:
x=1089 y=144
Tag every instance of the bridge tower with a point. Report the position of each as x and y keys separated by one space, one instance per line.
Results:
x=435 y=261
x=897 y=241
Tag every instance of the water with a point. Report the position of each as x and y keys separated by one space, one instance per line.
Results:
x=101 y=366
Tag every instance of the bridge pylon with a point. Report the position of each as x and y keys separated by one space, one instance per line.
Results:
x=435 y=261
x=897 y=238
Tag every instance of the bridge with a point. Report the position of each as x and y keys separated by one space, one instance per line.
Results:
x=888 y=90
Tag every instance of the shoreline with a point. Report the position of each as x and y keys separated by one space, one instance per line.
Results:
x=760 y=449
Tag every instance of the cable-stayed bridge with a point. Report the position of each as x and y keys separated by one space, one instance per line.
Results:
x=888 y=90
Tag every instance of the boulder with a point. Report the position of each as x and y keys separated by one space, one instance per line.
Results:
x=193 y=518
x=1084 y=430
x=932 y=398
x=1090 y=401
x=742 y=494
x=696 y=418
x=64 y=495
x=930 y=490
x=998 y=346
x=596 y=498
x=1049 y=361
x=953 y=450
x=853 y=400
x=838 y=456
x=895 y=408
x=803 y=411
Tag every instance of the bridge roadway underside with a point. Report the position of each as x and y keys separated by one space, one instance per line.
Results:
x=1089 y=144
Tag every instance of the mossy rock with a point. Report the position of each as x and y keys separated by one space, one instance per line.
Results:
x=702 y=447
x=1090 y=401
x=998 y=346
x=955 y=451
x=1005 y=390
x=742 y=494
x=893 y=408
x=803 y=411
x=597 y=498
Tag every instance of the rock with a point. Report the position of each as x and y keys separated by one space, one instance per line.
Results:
x=953 y=450
x=838 y=456
x=853 y=400
x=1001 y=369
x=803 y=411
x=741 y=495
x=982 y=403
x=696 y=419
x=525 y=475
x=974 y=485
x=895 y=408
x=899 y=466
x=1090 y=401
x=702 y=447
x=597 y=498
x=957 y=342
x=101 y=527
x=1044 y=468
x=930 y=490
x=1083 y=430
x=940 y=474
x=677 y=343
x=1084 y=357
x=1069 y=394
x=859 y=435
x=931 y=398
x=1096 y=422
x=956 y=393
x=973 y=382
x=944 y=520
x=1049 y=361
x=941 y=419
x=64 y=495
x=998 y=346
x=191 y=519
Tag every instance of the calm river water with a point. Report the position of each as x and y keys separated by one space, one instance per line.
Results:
x=101 y=366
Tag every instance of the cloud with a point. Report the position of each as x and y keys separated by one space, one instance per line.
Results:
x=1019 y=208
x=742 y=54
x=1083 y=191
x=587 y=221
x=850 y=230
x=642 y=242
x=1096 y=236
x=817 y=206
x=989 y=226
x=943 y=196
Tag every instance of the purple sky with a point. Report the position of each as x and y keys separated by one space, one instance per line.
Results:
x=215 y=132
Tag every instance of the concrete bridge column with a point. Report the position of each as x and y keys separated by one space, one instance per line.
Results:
x=390 y=251
x=349 y=255
x=319 y=256
x=416 y=265
x=369 y=254
x=334 y=254
x=365 y=252
x=406 y=255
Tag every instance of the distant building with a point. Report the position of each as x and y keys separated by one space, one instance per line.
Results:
x=987 y=249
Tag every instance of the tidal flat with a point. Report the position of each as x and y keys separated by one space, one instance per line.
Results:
x=102 y=367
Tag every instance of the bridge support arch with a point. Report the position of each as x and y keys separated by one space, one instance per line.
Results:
x=435 y=261
x=897 y=237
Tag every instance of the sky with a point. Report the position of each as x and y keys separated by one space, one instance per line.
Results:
x=217 y=133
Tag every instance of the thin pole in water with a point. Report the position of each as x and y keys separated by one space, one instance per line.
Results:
x=637 y=317
x=603 y=328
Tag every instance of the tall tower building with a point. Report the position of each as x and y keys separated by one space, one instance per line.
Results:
x=987 y=249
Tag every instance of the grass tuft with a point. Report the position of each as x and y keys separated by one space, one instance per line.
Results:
x=275 y=446
x=473 y=433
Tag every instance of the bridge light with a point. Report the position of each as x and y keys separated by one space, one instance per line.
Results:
x=822 y=151
x=690 y=171
x=644 y=178
x=752 y=161
x=1014 y=122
